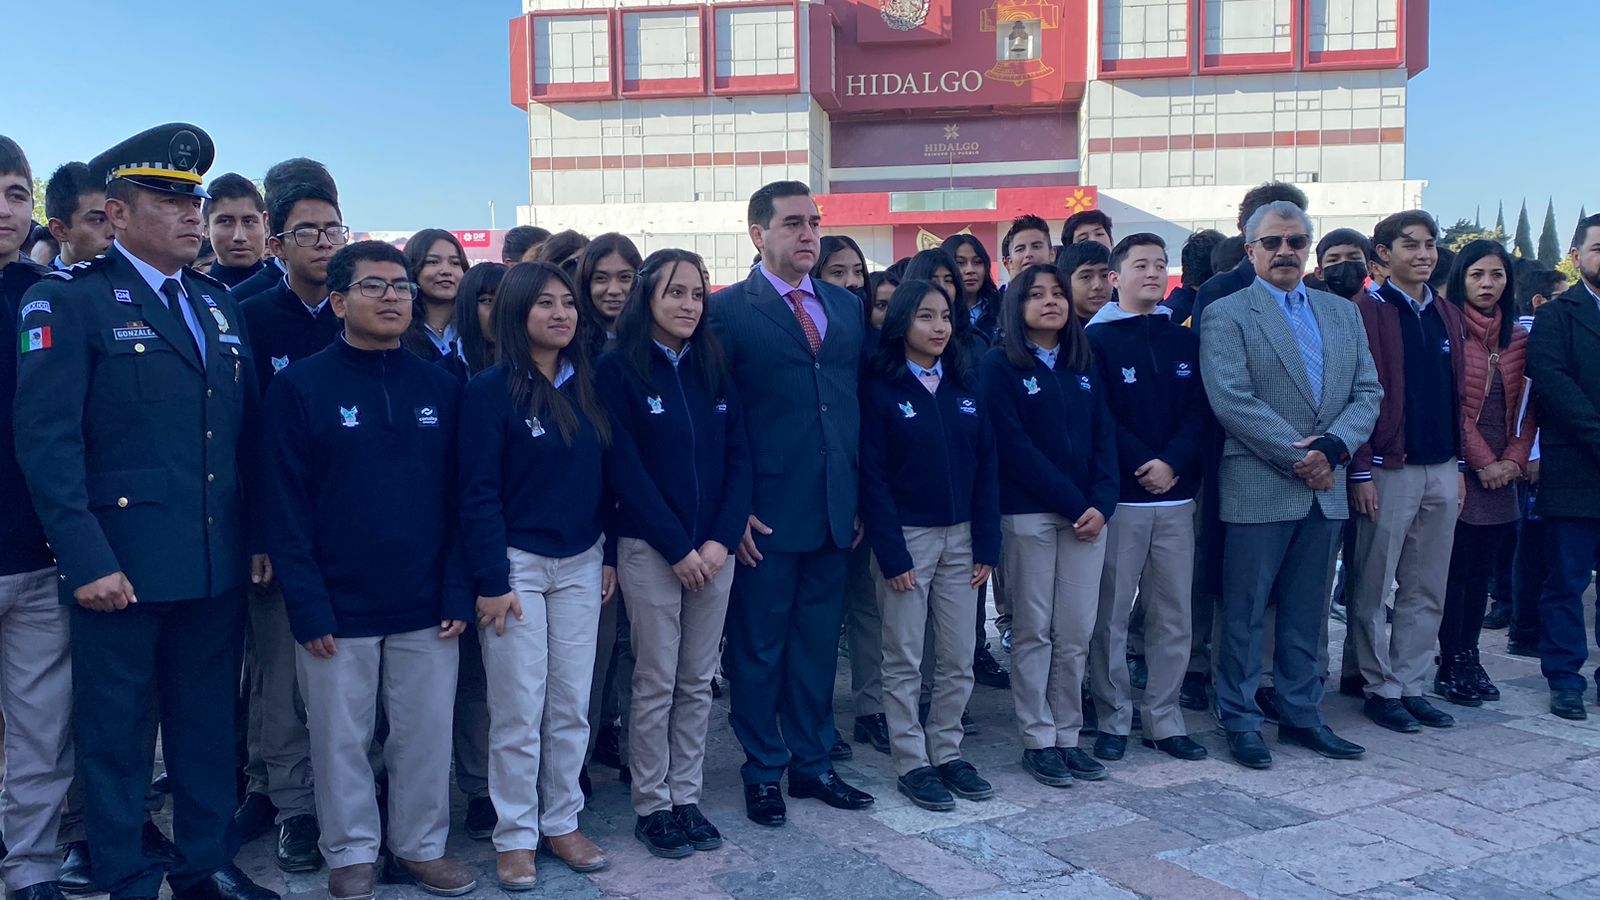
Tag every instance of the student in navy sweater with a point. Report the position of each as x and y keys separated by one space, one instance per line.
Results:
x=1058 y=485
x=362 y=535
x=930 y=508
x=1151 y=371
x=533 y=498
x=683 y=481
x=473 y=321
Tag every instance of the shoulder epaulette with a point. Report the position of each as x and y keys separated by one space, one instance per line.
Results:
x=80 y=268
x=202 y=276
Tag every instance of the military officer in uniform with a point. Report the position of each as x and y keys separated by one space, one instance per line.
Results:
x=134 y=385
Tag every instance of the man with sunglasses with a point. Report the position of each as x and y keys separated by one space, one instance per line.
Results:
x=1407 y=482
x=289 y=321
x=1291 y=382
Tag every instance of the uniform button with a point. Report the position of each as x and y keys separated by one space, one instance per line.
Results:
x=208 y=435
x=816 y=365
x=208 y=392
x=210 y=521
x=122 y=502
x=211 y=476
x=138 y=348
x=235 y=351
x=824 y=407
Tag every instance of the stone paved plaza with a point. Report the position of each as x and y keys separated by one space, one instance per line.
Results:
x=1506 y=804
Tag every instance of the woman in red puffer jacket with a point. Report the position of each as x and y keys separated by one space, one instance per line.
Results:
x=1497 y=433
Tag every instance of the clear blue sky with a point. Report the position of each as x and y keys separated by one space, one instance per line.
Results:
x=406 y=101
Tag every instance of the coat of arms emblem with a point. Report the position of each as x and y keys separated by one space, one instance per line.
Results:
x=903 y=15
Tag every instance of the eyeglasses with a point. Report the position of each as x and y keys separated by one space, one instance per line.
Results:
x=1271 y=242
x=374 y=288
x=307 y=236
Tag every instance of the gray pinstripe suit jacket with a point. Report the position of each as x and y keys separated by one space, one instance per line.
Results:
x=1256 y=381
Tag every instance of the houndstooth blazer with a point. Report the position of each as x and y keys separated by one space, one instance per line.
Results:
x=1256 y=381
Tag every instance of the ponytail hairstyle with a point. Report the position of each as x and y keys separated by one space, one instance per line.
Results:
x=531 y=392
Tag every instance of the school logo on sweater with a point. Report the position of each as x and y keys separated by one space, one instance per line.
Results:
x=534 y=428
x=1184 y=370
x=655 y=405
x=278 y=362
x=427 y=417
x=1130 y=375
x=722 y=406
x=968 y=406
x=1083 y=383
x=1031 y=384
x=907 y=410
x=351 y=417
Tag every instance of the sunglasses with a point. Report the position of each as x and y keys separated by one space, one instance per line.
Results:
x=1272 y=242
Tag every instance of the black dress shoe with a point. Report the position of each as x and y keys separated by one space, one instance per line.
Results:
x=841 y=748
x=1498 y=616
x=1047 y=767
x=297 y=844
x=1320 y=739
x=254 y=817
x=1568 y=704
x=155 y=843
x=963 y=780
x=1081 y=765
x=1179 y=746
x=1353 y=686
x=44 y=890
x=830 y=789
x=1391 y=714
x=874 y=730
x=1479 y=678
x=1138 y=673
x=923 y=787
x=76 y=876
x=987 y=671
x=1267 y=700
x=1110 y=747
x=1525 y=649
x=226 y=883
x=702 y=834
x=1192 y=694
x=1424 y=712
x=481 y=818
x=763 y=804
x=1249 y=750
x=662 y=835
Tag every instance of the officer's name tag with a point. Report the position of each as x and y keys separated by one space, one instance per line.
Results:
x=228 y=338
x=134 y=332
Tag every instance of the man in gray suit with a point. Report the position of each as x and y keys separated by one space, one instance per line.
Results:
x=1292 y=382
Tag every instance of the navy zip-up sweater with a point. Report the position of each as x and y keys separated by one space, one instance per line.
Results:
x=680 y=461
x=362 y=515
x=1151 y=371
x=271 y=272
x=521 y=485
x=233 y=276
x=22 y=542
x=927 y=460
x=1055 y=437
x=283 y=330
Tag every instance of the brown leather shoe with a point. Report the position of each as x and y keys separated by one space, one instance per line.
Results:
x=350 y=882
x=515 y=870
x=578 y=852
x=443 y=876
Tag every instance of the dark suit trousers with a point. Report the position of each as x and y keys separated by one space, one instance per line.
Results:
x=1288 y=564
x=783 y=638
x=1571 y=547
x=186 y=654
x=1529 y=573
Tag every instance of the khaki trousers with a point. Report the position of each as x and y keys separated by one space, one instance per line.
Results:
x=539 y=675
x=1149 y=554
x=676 y=637
x=1408 y=544
x=36 y=699
x=279 y=763
x=941 y=605
x=1053 y=583
x=415 y=674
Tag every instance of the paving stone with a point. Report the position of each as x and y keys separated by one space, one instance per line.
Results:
x=1138 y=840
x=1516 y=791
x=1587 y=889
x=1345 y=869
x=1338 y=796
x=841 y=874
x=1247 y=875
x=1256 y=812
x=1076 y=886
x=1398 y=892
x=1432 y=838
x=1581 y=772
x=1288 y=845
x=996 y=852
x=1547 y=866
x=1470 y=884
x=1159 y=878
x=910 y=819
x=1466 y=818
x=1045 y=824
x=1570 y=816
x=1552 y=726
x=1183 y=812
x=933 y=867
x=1283 y=778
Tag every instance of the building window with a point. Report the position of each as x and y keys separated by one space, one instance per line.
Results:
x=1249 y=26
x=571 y=50
x=757 y=40
x=1145 y=29
x=660 y=45
x=1338 y=25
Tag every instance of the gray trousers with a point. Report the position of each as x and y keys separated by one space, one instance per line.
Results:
x=1288 y=564
x=940 y=605
x=1149 y=553
x=415 y=675
x=36 y=700
x=863 y=628
x=279 y=746
x=539 y=678
x=1053 y=580
x=470 y=734
x=676 y=635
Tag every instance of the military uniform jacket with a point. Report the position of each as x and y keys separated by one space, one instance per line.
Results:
x=130 y=443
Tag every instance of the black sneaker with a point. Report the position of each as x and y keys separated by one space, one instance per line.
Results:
x=1047 y=767
x=923 y=787
x=481 y=818
x=963 y=780
x=1081 y=765
x=702 y=834
x=661 y=835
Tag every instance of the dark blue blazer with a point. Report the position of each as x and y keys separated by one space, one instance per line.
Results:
x=801 y=412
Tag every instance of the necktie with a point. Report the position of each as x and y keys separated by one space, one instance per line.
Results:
x=174 y=294
x=930 y=380
x=809 y=326
x=1306 y=338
